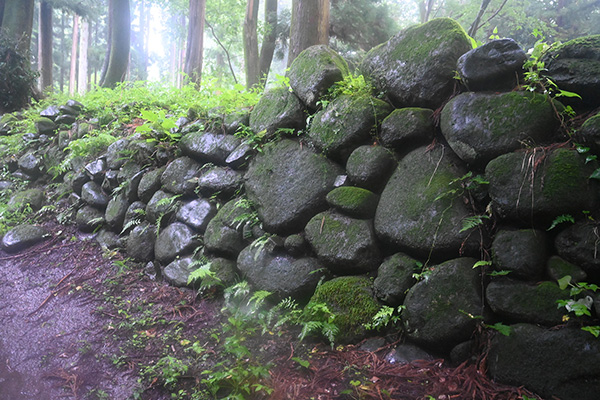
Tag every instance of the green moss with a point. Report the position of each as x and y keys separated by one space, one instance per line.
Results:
x=351 y=198
x=351 y=299
x=562 y=175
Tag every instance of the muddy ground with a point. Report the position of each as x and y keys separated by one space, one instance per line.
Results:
x=80 y=323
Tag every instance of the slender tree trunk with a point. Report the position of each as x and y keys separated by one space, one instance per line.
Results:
x=425 y=7
x=45 y=46
x=17 y=22
x=195 y=42
x=2 y=3
x=61 y=53
x=476 y=23
x=84 y=37
x=251 y=44
x=120 y=41
x=309 y=26
x=73 y=70
x=268 y=46
x=145 y=32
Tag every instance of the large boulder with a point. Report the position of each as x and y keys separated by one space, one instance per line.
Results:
x=175 y=240
x=161 y=207
x=178 y=271
x=224 y=233
x=345 y=245
x=149 y=184
x=419 y=209
x=224 y=182
x=197 y=214
x=268 y=268
x=277 y=108
x=314 y=71
x=579 y=244
x=117 y=154
x=497 y=65
x=589 y=133
x=563 y=363
x=440 y=308
x=536 y=184
x=346 y=123
x=288 y=183
x=140 y=243
x=180 y=176
x=522 y=252
x=575 y=66
x=115 y=211
x=523 y=302
x=23 y=236
x=89 y=218
x=353 y=201
x=416 y=67
x=370 y=166
x=483 y=126
x=92 y=194
x=207 y=147
x=407 y=127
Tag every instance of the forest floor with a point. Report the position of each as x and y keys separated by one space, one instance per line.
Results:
x=77 y=322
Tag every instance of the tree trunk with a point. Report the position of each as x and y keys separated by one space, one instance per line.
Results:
x=61 y=53
x=73 y=70
x=195 y=42
x=309 y=26
x=2 y=3
x=251 y=44
x=17 y=22
x=84 y=36
x=145 y=32
x=425 y=7
x=45 y=46
x=268 y=46
x=120 y=39
x=475 y=25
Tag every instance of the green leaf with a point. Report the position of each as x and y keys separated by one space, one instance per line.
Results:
x=562 y=218
x=501 y=328
x=499 y=273
x=303 y=363
x=566 y=93
x=564 y=282
x=594 y=330
x=595 y=174
x=481 y=263
x=149 y=115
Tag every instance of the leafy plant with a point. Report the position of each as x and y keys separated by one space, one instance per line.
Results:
x=561 y=219
x=158 y=127
x=385 y=316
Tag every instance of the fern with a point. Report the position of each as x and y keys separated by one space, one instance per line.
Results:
x=561 y=219
x=473 y=222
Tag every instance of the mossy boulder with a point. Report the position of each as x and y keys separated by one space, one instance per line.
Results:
x=589 y=133
x=224 y=182
x=208 y=147
x=352 y=301
x=557 y=268
x=117 y=154
x=89 y=218
x=438 y=307
x=562 y=363
x=370 y=166
x=346 y=123
x=345 y=245
x=494 y=66
x=269 y=268
x=30 y=163
x=395 y=278
x=140 y=243
x=223 y=235
x=522 y=252
x=314 y=71
x=180 y=176
x=45 y=126
x=149 y=184
x=353 y=201
x=288 y=183
x=483 y=126
x=23 y=236
x=277 y=108
x=33 y=198
x=92 y=194
x=415 y=68
x=419 y=209
x=115 y=211
x=407 y=127
x=540 y=185
x=575 y=66
x=175 y=240
x=178 y=271
x=516 y=301
x=578 y=244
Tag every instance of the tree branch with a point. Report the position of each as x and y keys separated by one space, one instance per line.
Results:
x=224 y=49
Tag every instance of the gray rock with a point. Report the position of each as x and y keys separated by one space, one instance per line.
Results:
x=132 y=185
x=30 y=164
x=96 y=169
x=75 y=105
x=345 y=245
x=51 y=112
x=295 y=245
x=178 y=271
x=134 y=215
x=149 y=184
x=33 y=197
x=438 y=307
x=346 y=123
x=522 y=252
x=223 y=235
x=175 y=240
x=497 y=65
x=395 y=278
x=92 y=194
x=45 y=126
x=522 y=302
x=562 y=363
x=589 y=133
x=116 y=211
x=415 y=68
x=108 y=240
x=559 y=185
x=140 y=243
x=353 y=201
x=117 y=154
x=579 y=244
x=407 y=127
x=225 y=270
x=208 y=147
x=300 y=177
x=141 y=150
x=370 y=167
x=314 y=71
x=235 y=120
x=65 y=119
x=79 y=179
x=180 y=176
x=406 y=353
x=557 y=268
x=218 y=180
x=483 y=126
x=197 y=214
x=161 y=207
x=110 y=181
x=89 y=218
x=274 y=271
x=240 y=155
x=277 y=108
x=23 y=236
x=417 y=211
x=67 y=110
x=575 y=66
